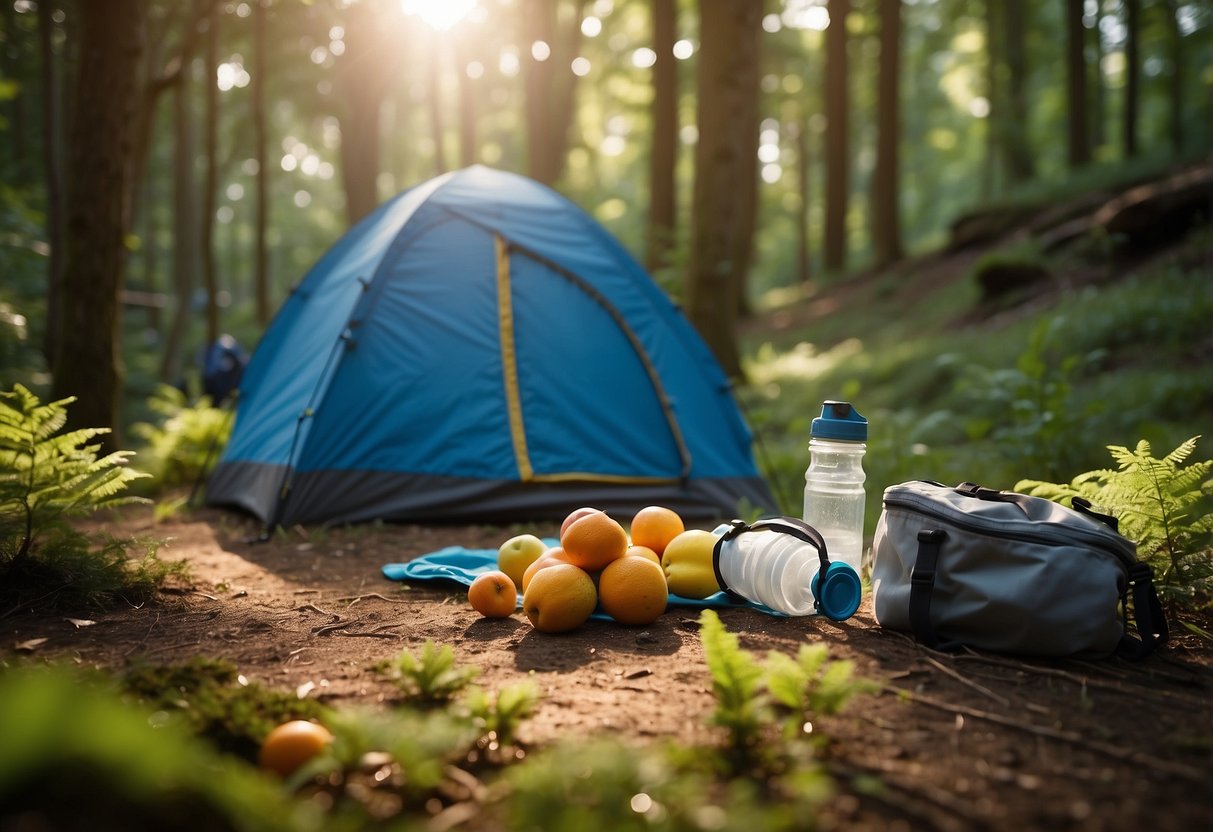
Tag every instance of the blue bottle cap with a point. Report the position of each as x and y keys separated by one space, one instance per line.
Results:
x=838 y=592
x=838 y=420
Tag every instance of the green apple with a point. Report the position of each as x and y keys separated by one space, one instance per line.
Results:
x=517 y=553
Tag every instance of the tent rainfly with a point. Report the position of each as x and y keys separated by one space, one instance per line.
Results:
x=479 y=349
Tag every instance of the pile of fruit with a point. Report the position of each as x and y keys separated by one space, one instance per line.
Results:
x=595 y=565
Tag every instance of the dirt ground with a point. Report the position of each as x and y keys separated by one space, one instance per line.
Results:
x=959 y=742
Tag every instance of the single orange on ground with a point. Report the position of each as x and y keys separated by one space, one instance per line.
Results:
x=576 y=515
x=655 y=527
x=593 y=541
x=551 y=557
x=559 y=598
x=493 y=594
x=292 y=744
x=642 y=552
x=632 y=590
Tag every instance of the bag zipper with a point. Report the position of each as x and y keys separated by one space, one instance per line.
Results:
x=1125 y=559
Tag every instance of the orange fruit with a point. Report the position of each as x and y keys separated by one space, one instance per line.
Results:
x=292 y=744
x=655 y=527
x=551 y=557
x=642 y=552
x=575 y=516
x=632 y=590
x=559 y=598
x=593 y=541
x=493 y=594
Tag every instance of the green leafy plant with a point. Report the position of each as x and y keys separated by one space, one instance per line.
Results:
x=46 y=476
x=181 y=447
x=1161 y=504
x=811 y=684
x=499 y=716
x=429 y=678
x=1029 y=410
x=753 y=698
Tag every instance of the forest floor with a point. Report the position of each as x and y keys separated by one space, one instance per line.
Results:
x=959 y=741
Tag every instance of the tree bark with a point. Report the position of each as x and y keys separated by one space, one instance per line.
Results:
x=804 y=270
x=1020 y=164
x=261 y=154
x=54 y=175
x=468 y=150
x=886 y=179
x=434 y=103
x=1175 y=85
x=837 y=140
x=1132 y=76
x=368 y=65
x=663 y=158
x=185 y=227
x=549 y=85
x=1078 y=141
x=87 y=361
x=725 y=161
x=1099 y=93
x=211 y=185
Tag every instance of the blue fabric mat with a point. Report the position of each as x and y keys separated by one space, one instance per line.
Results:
x=462 y=566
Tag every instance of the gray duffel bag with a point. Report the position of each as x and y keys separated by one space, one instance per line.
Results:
x=1006 y=572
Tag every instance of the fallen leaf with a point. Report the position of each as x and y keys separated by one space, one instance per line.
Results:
x=31 y=645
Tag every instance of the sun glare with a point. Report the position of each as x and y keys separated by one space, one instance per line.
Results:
x=439 y=14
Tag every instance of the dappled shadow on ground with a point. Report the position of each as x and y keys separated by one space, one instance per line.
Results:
x=954 y=741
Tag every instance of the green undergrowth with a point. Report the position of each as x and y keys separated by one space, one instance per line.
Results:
x=175 y=747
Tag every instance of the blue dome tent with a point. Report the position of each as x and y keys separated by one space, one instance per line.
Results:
x=479 y=349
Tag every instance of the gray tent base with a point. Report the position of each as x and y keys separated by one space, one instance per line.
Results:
x=334 y=498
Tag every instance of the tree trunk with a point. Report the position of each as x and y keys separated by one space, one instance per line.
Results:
x=261 y=154
x=185 y=227
x=1175 y=86
x=1099 y=93
x=54 y=175
x=886 y=179
x=211 y=186
x=995 y=132
x=1078 y=142
x=434 y=102
x=1132 y=75
x=725 y=161
x=549 y=85
x=468 y=150
x=87 y=361
x=663 y=159
x=804 y=269
x=838 y=156
x=1018 y=150
x=369 y=63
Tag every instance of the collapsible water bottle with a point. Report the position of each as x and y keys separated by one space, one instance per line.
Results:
x=833 y=490
x=783 y=564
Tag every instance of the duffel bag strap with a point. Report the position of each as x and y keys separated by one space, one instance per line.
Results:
x=922 y=584
x=1147 y=613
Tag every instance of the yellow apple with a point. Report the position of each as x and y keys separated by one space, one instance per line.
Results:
x=517 y=553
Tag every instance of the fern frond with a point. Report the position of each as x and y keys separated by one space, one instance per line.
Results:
x=1182 y=452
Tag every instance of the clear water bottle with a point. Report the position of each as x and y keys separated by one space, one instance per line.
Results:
x=833 y=491
x=783 y=563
